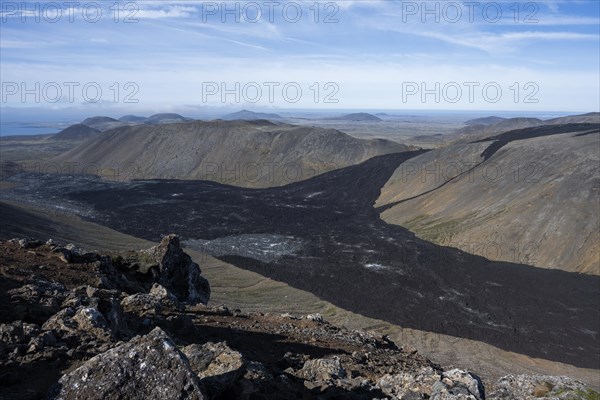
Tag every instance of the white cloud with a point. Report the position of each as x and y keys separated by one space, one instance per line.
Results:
x=167 y=12
x=17 y=44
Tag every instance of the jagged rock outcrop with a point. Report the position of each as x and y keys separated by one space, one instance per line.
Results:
x=147 y=367
x=175 y=271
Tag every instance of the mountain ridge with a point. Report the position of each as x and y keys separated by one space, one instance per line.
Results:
x=259 y=153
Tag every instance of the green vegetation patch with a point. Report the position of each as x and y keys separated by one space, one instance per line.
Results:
x=435 y=230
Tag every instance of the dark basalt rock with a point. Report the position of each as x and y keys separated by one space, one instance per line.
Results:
x=37 y=301
x=217 y=365
x=175 y=270
x=458 y=384
x=147 y=367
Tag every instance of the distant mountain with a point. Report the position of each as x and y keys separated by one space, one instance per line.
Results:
x=484 y=121
x=481 y=131
x=101 y=123
x=589 y=118
x=75 y=132
x=132 y=118
x=250 y=116
x=240 y=153
x=106 y=123
x=358 y=117
x=166 y=118
x=527 y=196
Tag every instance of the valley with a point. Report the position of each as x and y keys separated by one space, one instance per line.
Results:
x=337 y=239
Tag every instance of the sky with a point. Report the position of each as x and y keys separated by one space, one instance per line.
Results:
x=370 y=55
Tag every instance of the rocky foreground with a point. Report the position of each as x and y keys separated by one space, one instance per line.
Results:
x=80 y=325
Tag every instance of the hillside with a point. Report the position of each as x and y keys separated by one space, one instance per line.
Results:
x=242 y=153
x=165 y=118
x=589 y=118
x=530 y=196
x=75 y=132
x=485 y=121
x=481 y=131
x=357 y=117
x=486 y=127
x=101 y=123
x=132 y=118
x=249 y=116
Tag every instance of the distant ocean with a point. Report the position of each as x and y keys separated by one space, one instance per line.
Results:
x=18 y=128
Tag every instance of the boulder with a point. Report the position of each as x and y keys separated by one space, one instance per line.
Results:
x=147 y=367
x=72 y=254
x=83 y=323
x=409 y=384
x=216 y=364
x=108 y=302
x=17 y=332
x=458 y=384
x=26 y=243
x=315 y=317
x=321 y=370
x=176 y=271
x=151 y=303
x=256 y=381
x=36 y=302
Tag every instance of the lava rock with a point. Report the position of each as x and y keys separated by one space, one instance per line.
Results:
x=37 y=301
x=176 y=271
x=321 y=370
x=458 y=384
x=17 y=332
x=143 y=304
x=147 y=367
x=529 y=387
x=216 y=364
x=409 y=384
x=84 y=323
x=315 y=317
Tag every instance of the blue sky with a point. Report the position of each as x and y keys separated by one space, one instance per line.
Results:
x=368 y=55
